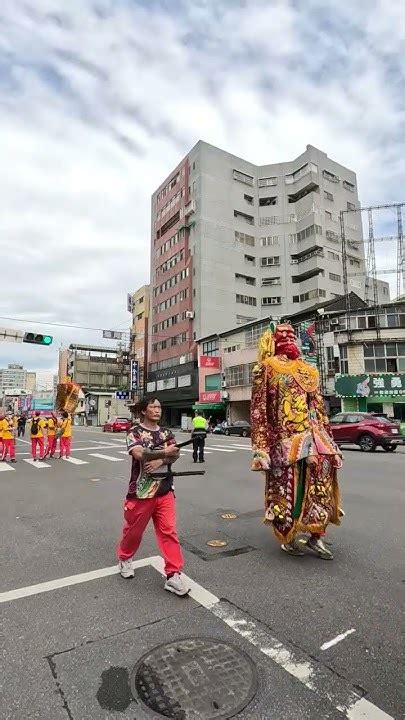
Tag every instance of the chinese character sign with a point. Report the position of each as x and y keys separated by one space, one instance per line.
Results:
x=134 y=375
x=368 y=386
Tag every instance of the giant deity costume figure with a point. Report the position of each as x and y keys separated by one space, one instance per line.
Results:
x=293 y=444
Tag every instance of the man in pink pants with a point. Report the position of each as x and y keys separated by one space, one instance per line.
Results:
x=152 y=497
x=37 y=435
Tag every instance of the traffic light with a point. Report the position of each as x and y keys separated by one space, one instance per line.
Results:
x=37 y=339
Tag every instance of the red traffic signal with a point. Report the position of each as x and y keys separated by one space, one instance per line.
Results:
x=37 y=338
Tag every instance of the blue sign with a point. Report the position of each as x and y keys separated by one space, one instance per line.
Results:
x=122 y=395
x=134 y=376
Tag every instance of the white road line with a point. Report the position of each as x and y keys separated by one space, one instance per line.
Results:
x=38 y=464
x=107 y=457
x=241 y=447
x=337 y=639
x=206 y=452
x=4 y=467
x=218 y=448
x=312 y=674
x=66 y=581
x=123 y=452
x=23 y=441
x=75 y=461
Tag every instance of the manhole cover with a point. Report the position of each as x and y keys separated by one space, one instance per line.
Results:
x=229 y=516
x=217 y=543
x=195 y=678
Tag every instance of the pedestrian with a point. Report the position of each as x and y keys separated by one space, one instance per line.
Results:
x=8 y=438
x=37 y=435
x=152 y=448
x=51 y=427
x=21 y=422
x=199 y=435
x=1 y=433
x=65 y=441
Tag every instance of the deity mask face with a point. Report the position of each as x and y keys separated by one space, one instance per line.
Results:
x=286 y=342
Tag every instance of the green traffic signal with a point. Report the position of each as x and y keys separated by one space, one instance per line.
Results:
x=37 y=339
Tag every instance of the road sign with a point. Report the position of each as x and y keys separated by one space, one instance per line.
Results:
x=122 y=395
x=37 y=338
x=130 y=304
x=10 y=335
x=112 y=335
x=134 y=375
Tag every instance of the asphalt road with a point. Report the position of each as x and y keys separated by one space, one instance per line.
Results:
x=68 y=647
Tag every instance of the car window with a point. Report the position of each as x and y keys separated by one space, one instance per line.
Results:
x=122 y=419
x=337 y=419
x=351 y=418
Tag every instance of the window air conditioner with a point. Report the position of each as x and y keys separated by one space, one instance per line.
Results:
x=334 y=321
x=190 y=314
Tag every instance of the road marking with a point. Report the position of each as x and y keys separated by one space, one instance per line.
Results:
x=107 y=457
x=95 y=480
x=242 y=447
x=75 y=461
x=337 y=639
x=219 y=448
x=206 y=452
x=38 y=464
x=27 y=442
x=4 y=467
x=66 y=581
x=315 y=676
x=123 y=452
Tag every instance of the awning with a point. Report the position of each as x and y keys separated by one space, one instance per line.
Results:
x=209 y=406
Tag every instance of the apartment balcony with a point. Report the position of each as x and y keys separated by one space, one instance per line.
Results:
x=308 y=265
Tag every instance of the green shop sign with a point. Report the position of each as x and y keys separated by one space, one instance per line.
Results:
x=370 y=385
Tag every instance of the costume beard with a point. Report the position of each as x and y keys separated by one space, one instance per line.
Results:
x=288 y=348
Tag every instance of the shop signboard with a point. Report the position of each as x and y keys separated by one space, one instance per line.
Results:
x=210 y=397
x=208 y=361
x=367 y=385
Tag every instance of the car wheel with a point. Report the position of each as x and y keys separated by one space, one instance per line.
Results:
x=227 y=433
x=367 y=443
x=244 y=433
x=390 y=448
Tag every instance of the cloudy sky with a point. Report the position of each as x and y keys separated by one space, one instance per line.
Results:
x=99 y=99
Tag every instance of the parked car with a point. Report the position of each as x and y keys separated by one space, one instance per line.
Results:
x=240 y=427
x=117 y=424
x=365 y=430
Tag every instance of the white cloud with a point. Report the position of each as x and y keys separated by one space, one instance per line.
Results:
x=100 y=99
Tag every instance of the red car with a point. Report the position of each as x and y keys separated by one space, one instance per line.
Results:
x=117 y=425
x=365 y=430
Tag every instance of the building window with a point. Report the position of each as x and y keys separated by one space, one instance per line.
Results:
x=253 y=334
x=350 y=206
x=139 y=316
x=269 y=240
x=354 y=262
x=348 y=186
x=273 y=300
x=232 y=348
x=309 y=231
x=267 y=182
x=343 y=361
x=271 y=260
x=335 y=277
x=327 y=195
x=243 y=319
x=213 y=382
x=270 y=220
x=313 y=295
x=384 y=357
x=244 y=239
x=243 y=177
x=268 y=201
x=333 y=256
x=249 y=199
x=328 y=215
x=239 y=375
x=271 y=281
x=210 y=348
x=304 y=170
x=250 y=260
x=330 y=176
x=246 y=299
x=243 y=216
x=296 y=298
x=248 y=279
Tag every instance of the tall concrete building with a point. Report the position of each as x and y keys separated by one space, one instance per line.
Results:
x=12 y=377
x=233 y=242
x=31 y=381
x=138 y=305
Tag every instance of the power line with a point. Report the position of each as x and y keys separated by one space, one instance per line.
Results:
x=51 y=324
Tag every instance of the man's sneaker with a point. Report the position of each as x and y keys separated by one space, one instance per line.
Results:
x=126 y=569
x=320 y=548
x=177 y=585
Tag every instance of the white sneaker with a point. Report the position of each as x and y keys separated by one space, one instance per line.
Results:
x=126 y=569
x=177 y=585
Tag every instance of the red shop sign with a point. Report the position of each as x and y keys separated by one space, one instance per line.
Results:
x=206 y=361
x=210 y=397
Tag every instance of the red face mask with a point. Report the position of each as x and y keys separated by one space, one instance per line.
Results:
x=286 y=342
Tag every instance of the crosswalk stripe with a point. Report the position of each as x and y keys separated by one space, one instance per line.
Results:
x=75 y=461
x=107 y=457
x=206 y=452
x=123 y=452
x=220 y=449
x=38 y=464
x=241 y=447
x=4 y=467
